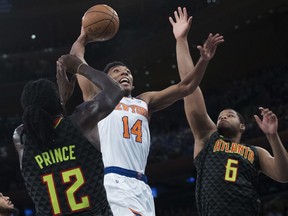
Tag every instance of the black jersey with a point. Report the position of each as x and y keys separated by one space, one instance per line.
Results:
x=65 y=178
x=227 y=175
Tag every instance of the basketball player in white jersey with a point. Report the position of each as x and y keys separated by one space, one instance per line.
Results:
x=124 y=134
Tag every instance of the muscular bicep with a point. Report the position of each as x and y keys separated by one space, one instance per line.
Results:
x=267 y=163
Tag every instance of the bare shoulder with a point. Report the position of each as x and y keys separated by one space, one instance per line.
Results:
x=263 y=153
x=145 y=96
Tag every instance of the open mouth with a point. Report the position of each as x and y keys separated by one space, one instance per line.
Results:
x=124 y=81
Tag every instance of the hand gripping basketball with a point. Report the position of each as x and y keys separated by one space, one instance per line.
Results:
x=100 y=23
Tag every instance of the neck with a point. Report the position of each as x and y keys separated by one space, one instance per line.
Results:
x=234 y=138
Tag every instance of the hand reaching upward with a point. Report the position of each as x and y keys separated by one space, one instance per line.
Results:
x=207 y=51
x=269 y=122
x=182 y=23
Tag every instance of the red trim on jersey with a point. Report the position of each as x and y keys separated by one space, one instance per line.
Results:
x=57 y=121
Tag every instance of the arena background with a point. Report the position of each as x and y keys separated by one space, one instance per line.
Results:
x=249 y=70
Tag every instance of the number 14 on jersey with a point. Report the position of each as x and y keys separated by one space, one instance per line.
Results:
x=136 y=129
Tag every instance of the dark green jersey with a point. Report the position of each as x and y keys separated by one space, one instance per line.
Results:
x=65 y=178
x=227 y=175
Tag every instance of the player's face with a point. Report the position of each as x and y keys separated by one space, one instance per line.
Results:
x=228 y=121
x=123 y=76
x=6 y=206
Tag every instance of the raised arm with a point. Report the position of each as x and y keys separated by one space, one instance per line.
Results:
x=158 y=100
x=161 y=99
x=89 y=90
x=89 y=113
x=195 y=109
x=275 y=167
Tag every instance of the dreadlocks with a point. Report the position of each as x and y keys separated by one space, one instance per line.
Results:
x=41 y=103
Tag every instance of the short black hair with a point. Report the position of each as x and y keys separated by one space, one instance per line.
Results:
x=113 y=64
x=242 y=121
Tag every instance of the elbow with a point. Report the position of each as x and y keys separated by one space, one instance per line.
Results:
x=116 y=96
x=281 y=177
x=119 y=91
x=120 y=94
x=284 y=177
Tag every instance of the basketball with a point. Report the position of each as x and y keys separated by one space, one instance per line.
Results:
x=100 y=23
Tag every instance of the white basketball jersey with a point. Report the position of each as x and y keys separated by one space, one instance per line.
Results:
x=125 y=135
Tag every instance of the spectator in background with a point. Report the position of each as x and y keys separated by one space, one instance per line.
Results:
x=6 y=206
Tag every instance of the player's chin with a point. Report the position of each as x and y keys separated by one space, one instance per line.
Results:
x=126 y=87
x=222 y=127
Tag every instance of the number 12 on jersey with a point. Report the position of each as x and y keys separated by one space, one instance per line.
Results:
x=67 y=177
x=136 y=129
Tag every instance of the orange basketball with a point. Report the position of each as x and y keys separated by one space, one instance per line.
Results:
x=100 y=23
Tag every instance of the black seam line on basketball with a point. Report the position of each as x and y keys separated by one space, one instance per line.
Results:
x=103 y=13
x=97 y=22
x=108 y=27
x=113 y=17
x=107 y=8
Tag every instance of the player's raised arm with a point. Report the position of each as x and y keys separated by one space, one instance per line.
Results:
x=195 y=109
x=99 y=23
x=102 y=104
x=162 y=99
x=275 y=166
x=89 y=90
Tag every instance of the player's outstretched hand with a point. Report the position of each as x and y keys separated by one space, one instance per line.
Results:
x=65 y=86
x=207 y=51
x=269 y=122
x=182 y=23
x=70 y=62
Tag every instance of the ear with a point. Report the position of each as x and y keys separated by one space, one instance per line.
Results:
x=242 y=128
x=132 y=88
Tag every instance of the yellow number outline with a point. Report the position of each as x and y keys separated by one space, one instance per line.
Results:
x=66 y=175
x=231 y=172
